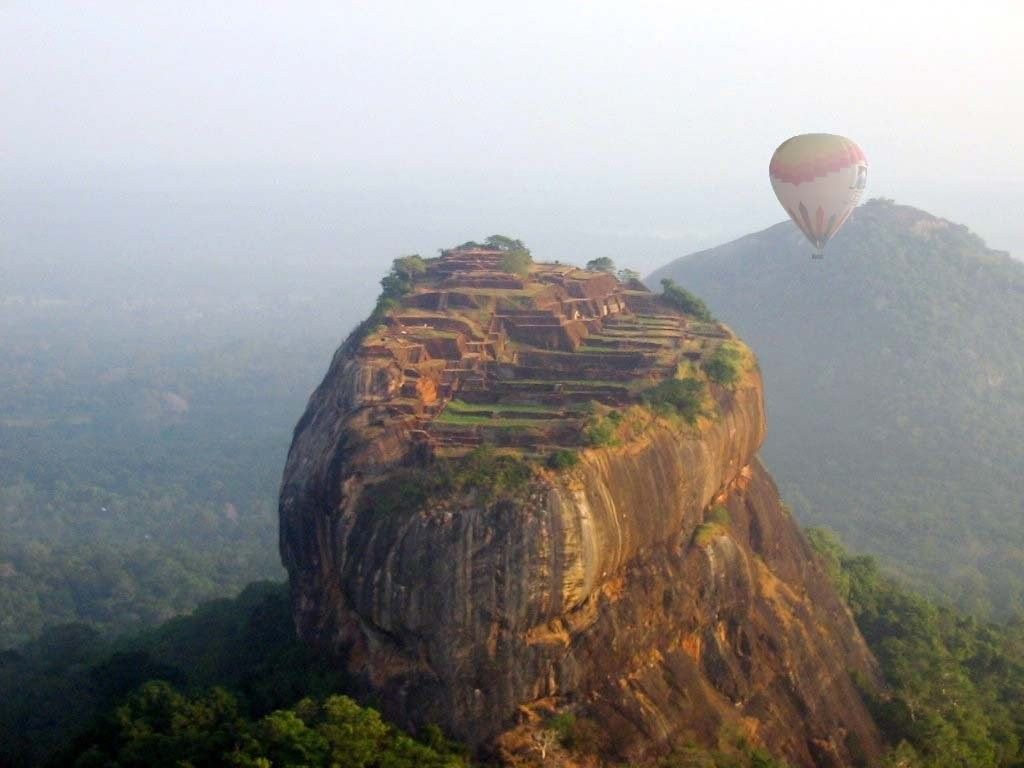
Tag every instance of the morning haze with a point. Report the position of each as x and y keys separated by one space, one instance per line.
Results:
x=516 y=505
x=294 y=137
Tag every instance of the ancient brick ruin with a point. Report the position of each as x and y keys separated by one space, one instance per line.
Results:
x=489 y=356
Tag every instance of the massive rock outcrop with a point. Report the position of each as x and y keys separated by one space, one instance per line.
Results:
x=657 y=587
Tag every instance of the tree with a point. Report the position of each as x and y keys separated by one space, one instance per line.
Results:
x=503 y=243
x=355 y=735
x=954 y=685
x=288 y=740
x=158 y=726
x=723 y=367
x=628 y=276
x=601 y=264
x=684 y=301
x=404 y=271
x=409 y=267
x=517 y=262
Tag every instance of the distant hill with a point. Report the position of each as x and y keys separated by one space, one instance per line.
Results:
x=894 y=372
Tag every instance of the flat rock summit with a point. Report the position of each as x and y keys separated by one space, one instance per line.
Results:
x=529 y=490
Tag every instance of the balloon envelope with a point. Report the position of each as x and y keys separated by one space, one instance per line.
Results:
x=819 y=179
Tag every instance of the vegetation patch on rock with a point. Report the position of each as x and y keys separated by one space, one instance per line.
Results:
x=724 y=365
x=684 y=397
x=680 y=298
x=484 y=474
x=716 y=523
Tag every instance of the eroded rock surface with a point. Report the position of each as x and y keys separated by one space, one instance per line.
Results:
x=605 y=589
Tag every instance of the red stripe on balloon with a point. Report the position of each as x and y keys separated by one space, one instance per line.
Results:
x=809 y=170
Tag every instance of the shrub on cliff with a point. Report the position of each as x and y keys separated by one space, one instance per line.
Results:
x=723 y=367
x=505 y=243
x=580 y=735
x=409 y=266
x=719 y=515
x=484 y=472
x=517 y=262
x=491 y=475
x=405 y=490
x=686 y=302
x=679 y=396
x=716 y=523
x=398 y=282
x=631 y=279
x=517 y=258
x=601 y=264
x=563 y=458
x=602 y=431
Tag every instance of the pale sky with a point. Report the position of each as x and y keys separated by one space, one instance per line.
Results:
x=640 y=122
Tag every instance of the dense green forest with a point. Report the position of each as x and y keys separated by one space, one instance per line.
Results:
x=230 y=685
x=894 y=379
x=954 y=685
x=141 y=444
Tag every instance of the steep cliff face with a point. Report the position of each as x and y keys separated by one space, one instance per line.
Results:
x=606 y=589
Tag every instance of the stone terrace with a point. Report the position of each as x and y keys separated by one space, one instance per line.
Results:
x=488 y=356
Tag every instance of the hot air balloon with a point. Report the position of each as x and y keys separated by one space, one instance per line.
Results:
x=818 y=178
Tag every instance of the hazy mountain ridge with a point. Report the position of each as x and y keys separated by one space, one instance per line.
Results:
x=897 y=409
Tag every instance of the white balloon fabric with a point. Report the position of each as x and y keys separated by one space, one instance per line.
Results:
x=819 y=179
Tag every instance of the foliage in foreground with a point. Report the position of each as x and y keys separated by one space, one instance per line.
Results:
x=55 y=686
x=158 y=726
x=955 y=685
x=954 y=688
x=229 y=685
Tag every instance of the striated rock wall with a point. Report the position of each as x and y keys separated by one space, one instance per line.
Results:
x=592 y=593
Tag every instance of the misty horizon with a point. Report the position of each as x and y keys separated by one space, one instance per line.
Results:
x=142 y=142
